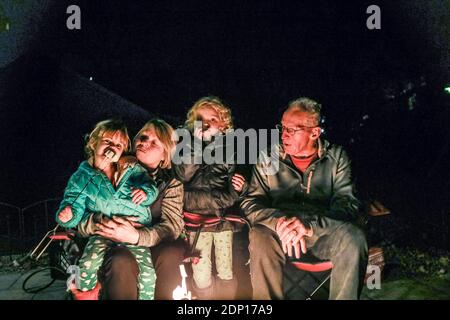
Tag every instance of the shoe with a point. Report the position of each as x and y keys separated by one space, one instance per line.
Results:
x=85 y=295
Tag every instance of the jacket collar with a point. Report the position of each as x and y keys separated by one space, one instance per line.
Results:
x=160 y=176
x=324 y=146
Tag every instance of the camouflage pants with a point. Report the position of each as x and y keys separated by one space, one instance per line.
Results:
x=92 y=260
x=223 y=250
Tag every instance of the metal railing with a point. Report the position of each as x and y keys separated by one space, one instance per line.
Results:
x=21 y=228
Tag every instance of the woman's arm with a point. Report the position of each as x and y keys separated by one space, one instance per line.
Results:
x=75 y=195
x=122 y=229
x=171 y=223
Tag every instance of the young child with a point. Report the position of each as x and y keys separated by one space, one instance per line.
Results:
x=210 y=190
x=101 y=186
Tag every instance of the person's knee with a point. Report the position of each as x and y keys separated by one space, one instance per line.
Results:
x=168 y=257
x=263 y=243
x=121 y=259
x=354 y=239
x=172 y=252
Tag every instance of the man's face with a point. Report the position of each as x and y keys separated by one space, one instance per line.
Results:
x=298 y=143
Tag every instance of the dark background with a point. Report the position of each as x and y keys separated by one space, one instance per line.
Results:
x=382 y=90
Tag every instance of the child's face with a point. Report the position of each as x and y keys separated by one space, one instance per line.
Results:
x=212 y=124
x=114 y=141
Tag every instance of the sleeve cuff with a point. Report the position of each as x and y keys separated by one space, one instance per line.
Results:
x=147 y=237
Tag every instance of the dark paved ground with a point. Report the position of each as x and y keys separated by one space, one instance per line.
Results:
x=431 y=287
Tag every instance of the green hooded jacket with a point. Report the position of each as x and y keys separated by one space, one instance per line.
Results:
x=90 y=191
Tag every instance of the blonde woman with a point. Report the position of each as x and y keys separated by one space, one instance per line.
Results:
x=102 y=185
x=153 y=147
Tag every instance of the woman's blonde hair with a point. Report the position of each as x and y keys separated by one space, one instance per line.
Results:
x=214 y=103
x=110 y=125
x=165 y=134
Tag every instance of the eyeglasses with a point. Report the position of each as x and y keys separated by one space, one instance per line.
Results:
x=291 y=131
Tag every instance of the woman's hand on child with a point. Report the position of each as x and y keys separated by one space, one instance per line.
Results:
x=118 y=229
x=238 y=182
x=138 y=195
x=65 y=214
x=134 y=221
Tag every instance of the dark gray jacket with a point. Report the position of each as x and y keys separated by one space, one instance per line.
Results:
x=325 y=189
x=207 y=187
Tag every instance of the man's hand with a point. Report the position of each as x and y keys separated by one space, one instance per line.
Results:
x=292 y=233
x=66 y=214
x=119 y=229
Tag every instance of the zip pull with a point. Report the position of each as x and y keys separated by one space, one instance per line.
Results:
x=308 y=186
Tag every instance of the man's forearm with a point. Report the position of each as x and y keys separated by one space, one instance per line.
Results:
x=259 y=214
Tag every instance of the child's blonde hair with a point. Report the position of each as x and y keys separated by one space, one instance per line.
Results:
x=165 y=134
x=214 y=103
x=110 y=125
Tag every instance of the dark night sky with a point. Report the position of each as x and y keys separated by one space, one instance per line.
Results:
x=258 y=55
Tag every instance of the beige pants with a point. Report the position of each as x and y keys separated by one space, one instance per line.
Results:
x=223 y=246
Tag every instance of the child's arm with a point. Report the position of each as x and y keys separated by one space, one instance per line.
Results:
x=65 y=214
x=73 y=199
x=239 y=183
x=140 y=182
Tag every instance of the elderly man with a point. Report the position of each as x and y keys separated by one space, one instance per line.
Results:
x=307 y=204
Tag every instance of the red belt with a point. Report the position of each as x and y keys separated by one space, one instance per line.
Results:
x=195 y=220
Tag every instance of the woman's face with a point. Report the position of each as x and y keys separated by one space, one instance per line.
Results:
x=149 y=149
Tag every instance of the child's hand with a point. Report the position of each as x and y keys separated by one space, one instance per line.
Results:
x=198 y=133
x=138 y=195
x=65 y=214
x=238 y=182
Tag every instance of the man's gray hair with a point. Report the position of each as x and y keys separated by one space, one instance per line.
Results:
x=307 y=105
